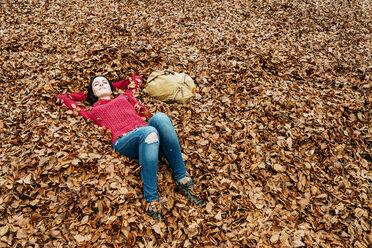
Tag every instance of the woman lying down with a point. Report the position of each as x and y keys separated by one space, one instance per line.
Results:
x=132 y=136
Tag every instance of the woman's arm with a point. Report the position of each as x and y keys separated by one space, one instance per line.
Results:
x=131 y=85
x=70 y=101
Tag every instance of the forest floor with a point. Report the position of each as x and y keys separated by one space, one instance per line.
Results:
x=277 y=137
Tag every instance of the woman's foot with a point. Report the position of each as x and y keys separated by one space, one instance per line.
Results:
x=185 y=182
x=186 y=185
x=153 y=209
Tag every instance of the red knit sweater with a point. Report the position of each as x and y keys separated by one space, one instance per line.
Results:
x=120 y=115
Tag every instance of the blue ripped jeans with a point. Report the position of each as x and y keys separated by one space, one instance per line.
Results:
x=137 y=145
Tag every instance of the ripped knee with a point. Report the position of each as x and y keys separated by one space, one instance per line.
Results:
x=152 y=138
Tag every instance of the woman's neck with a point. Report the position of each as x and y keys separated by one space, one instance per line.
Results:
x=105 y=97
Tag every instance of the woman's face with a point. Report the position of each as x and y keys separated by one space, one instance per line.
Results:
x=101 y=87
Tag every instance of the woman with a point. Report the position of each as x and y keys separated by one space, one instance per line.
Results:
x=134 y=137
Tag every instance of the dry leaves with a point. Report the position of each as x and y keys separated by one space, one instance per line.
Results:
x=278 y=136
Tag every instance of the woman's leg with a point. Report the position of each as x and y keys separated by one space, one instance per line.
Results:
x=143 y=143
x=169 y=144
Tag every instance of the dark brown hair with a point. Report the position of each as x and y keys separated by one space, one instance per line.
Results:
x=91 y=97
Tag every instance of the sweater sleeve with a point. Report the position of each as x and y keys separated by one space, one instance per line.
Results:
x=70 y=101
x=131 y=85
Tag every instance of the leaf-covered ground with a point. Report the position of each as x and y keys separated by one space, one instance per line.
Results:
x=278 y=136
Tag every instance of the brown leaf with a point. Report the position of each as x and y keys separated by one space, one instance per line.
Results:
x=3 y=230
x=218 y=216
x=279 y=168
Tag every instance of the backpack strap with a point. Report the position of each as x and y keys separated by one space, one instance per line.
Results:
x=179 y=89
x=184 y=80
